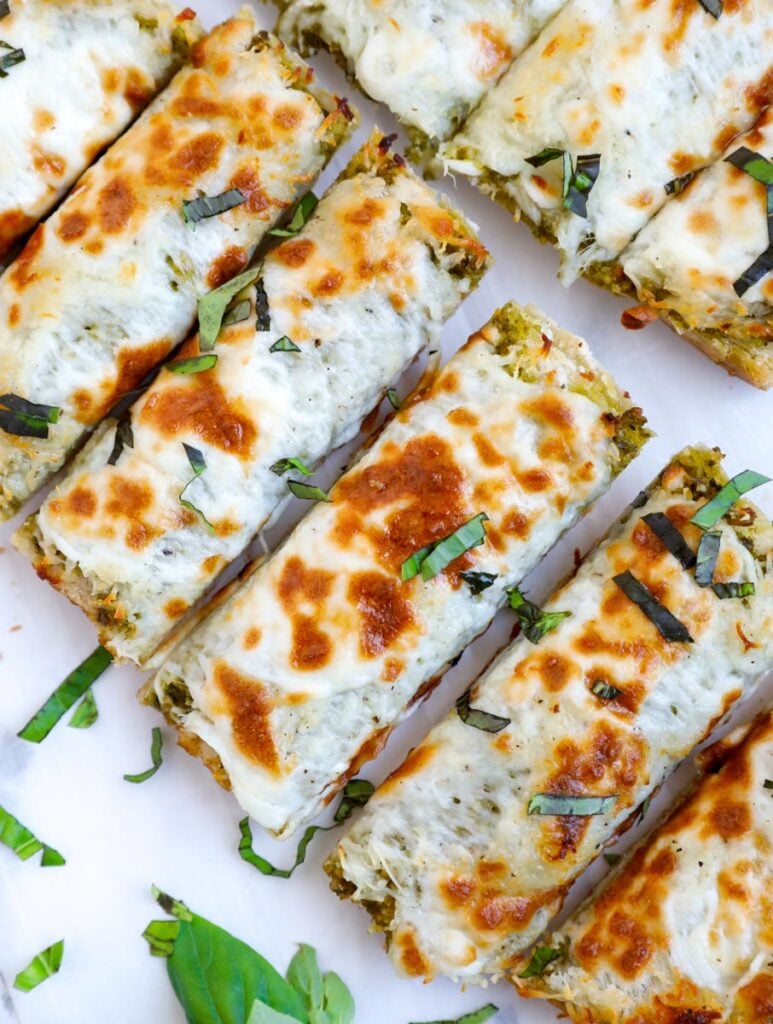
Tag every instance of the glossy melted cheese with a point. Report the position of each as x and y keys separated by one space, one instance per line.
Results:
x=447 y=841
x=683 y=929
x=657 y=89
x=90 y=66
x=299 y=677
x=430 y=61
x=361 y=290
x=108 y=285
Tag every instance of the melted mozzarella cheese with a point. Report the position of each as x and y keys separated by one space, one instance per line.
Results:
x=89 y=68
x=361 y=290
x=655 y=89
x=430 y=61
x=109 y=284
x=683 y=924
x=298 y=678
x=447 y=856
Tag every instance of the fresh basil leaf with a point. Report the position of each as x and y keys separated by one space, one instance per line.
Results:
x=284 y=345
x=303 y=211
x=285 y=465
x=86 y=713
x=195 y=210
x=194 y=364
x=712 y=7
x=672 y=539
x=669 y=627
x=393 y=398
x=759 y=269
x=567 y=804
x=10 y=59
x=198 y=465
x=156 y=743
x=434 y=558
x=734 y=589
x=545 y=156
x=476 y=1017
x=237 y=312
x=708 y=553
x=605 y=690
x=612 y=858
x=677 y=185
x=262 y=314
x=483 y=720
x=304 y=975
x=124 y=437
x=540 y=958
x=338 y=1002
x=262 y=1013
x=45 y=964
x=69 y=692
x=754 y=164
x=308 y=492
x=710 y=513
x=582 y=179
x=26 y=419
x=478 y=581
x=535 y=623
x=213 y=305
x=24 y=844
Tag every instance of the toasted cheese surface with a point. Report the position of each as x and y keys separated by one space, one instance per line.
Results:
x=88 y=68
x=429 y=61
x=109 y=284
x=364 y=286
x=653 y=89
x=683 y=928
x=297 y=679
x=447 y=857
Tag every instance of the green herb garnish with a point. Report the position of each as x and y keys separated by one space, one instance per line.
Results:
x=262 y=314
x=237 y=312
x=124 y=437
x=213 y=306
x=308 y=492
x=198 y=465
x=478 y=581
x=284 y=345
x=41 y=967
x=712 y=7
x=567 y=804
x=303 y=211
x=761 y=169
x=285 y=465
x=86 y=713
x=9 y=59
x=195 y=210
x=478 y=719
x=156 y=743
x=734 y=589
x=768 y=784
x=604 y=690
x=666 y=532
x=194 y=364
x=26 y=419
x=577 y=186
x=710 y=513
x=540 y=958
x=669 y=627
x=476 y=1017
x=535 y=623
x=432 y=559
x=754 y=164
x=69 y=692
x=677 y=185
x=708 y=553
x=545 y=156
x=17 y=837
x=393 y=398
x=326 y=998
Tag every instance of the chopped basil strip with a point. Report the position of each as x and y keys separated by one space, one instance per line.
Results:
x=478 y=581
x=580 y=182
x=9 y=59
x=17 y=837
x=733 y=589
x=534 y=622
x=124 y=437
x=566 y=804
x=478 y=719
x=213 y=305
x=761 y=266
x=768 y=784
x=356 y=793
x=86 y=713
x=712 y=7
x=665 y=531
x=754 y=164
x=476 y=1017
x=708 y=553
x=194 y=364
x=237 y=312
x=677 y=185
x=284 y=345
x=667 y=624
x=5 y=8
x=612 y=858
x=394 y=398
x=761 y=169
x=640 y=500
x=263 y=317
x=69 y=692
x=545 y=156
x=540 y=958
x=195 y=210
x=198 y=465
x=303 y=211
x=285 y=465
x=604 y=690
x=308 y=492
x=710 y=513
x=26 y=419
x=43 y=966
x=156 y=743
x=434 y=558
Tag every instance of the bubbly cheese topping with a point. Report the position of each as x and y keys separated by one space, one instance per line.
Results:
x=365 y=285
x=429 y=61
x=655 y=89
x=299 y=677
x=466 y=877
x=109 y=284
x=89 y=67
x=684 y=926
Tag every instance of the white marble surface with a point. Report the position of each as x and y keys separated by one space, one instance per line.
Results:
x=179 y=830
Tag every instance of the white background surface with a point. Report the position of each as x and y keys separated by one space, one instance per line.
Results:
x=179 y=830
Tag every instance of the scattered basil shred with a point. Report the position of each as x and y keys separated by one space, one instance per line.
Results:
x=25 y=844
x=68 y=693
x=23 y=418
x=577 y=187
x=303 y=211
x=194 y=364
x=237 y=312
x=262 y=314
x=545 y=156
x=571 y=805
x=734 y=588
x=478 y=719
x=708 y=553
x=284 y=344
x=604 y=690
x=710 y=513
x=10 y=58
x=677 y=185
x=307 y=492
x=393 y=398
x=712 y=7
x=45 y=964
x=285 y=465
x=198 y=209
x=540 y=958
x=669 y=627
x=123 y=438
x=612 y=858
x=433 y=559
x=535 y=623
x=478 y=581
x=198 y=465
x=761 y=169
x=156 y=743
x=86 y=713
x=476 y=1017
x=213 y=305
x=673 y=540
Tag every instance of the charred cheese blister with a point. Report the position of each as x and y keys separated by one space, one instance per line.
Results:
x=429 y=61
x=683 y=928
x=109 y=284
x=359 y=292
x=614 y=100
x=466 y=852
x=298 y=677
x=74 y=74
x=694 y=263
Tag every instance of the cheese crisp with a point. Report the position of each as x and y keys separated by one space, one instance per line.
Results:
x=299 y=676
x=466 y=852
x=683 y=928
x=108 y=285
x=74 y=74
x=336 y=313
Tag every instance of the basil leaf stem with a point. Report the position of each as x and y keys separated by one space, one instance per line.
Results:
x=484 y=720
x=434 y=558
x=566 y=804
x=710 y=513
x=213 y=305
x=672 y=539
x=46 y=963
x=24 y=844
x=195 y=210
x=23 y=418
x=303 y=211
x=198 y=465
x=669 y=627
x=68 y=693
x=156 y=743
x=535 y=623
